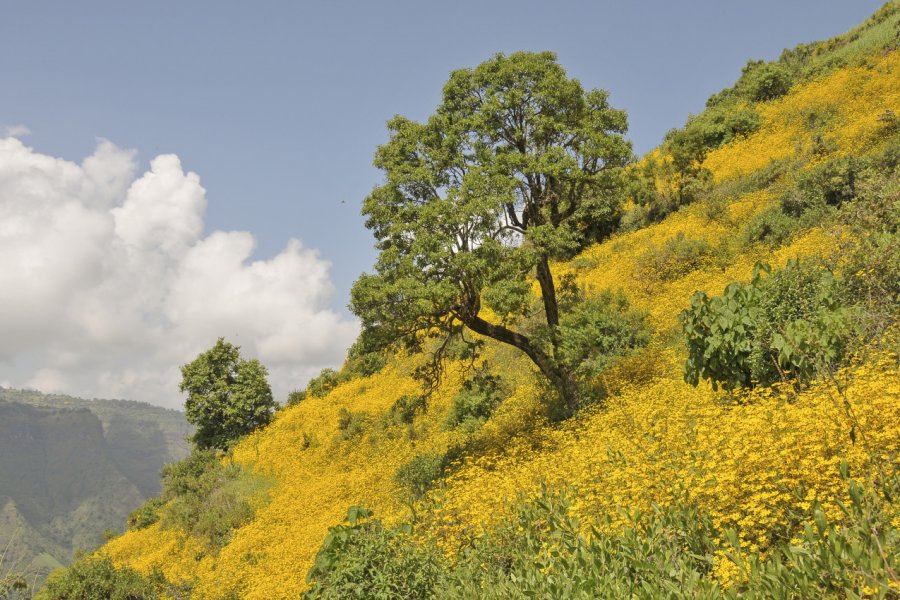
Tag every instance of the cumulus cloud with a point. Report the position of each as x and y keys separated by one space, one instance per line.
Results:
x=108 y=283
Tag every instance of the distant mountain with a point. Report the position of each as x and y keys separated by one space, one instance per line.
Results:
x=72 y=468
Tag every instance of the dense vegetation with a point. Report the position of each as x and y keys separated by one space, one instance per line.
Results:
x=736 y=336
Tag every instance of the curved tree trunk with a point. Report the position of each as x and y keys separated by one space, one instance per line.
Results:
x=560 y=378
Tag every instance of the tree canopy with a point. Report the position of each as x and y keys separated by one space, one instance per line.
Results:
x=228 y=396
x=517 y=166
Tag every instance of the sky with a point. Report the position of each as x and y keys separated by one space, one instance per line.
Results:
x=172 y=172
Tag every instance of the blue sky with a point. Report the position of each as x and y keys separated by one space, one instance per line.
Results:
x=278 y=108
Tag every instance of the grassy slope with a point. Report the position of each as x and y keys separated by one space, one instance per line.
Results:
x=658 y=440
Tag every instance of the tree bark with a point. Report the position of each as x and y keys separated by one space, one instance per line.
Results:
x=561 y=379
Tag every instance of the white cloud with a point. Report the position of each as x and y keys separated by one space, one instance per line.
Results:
x=17 y=131
x=108 y=283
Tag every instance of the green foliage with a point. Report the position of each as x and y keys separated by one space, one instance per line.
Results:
x=761 y=81
x=405 y=408
x=362 y=559
x=479 y=396
x=207 y=498
x=418 y=475
x=831 y=183
x=598 y=331
x=514 y=167
x=228 y=396
x=324 y=382
x=96 y=578
x=678 y=256
x=791 y=325
x=351 y=424
x=772 y=227
x=543 y=552
x=296 y=397
x=145 y=515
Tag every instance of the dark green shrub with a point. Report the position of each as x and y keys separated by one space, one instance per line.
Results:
x=771 y=227
x=96 y=578
x=791 y=325
x=296 y=397
x=418 y=475
x=597 y=332
x=473 y=405
x=364 y=359
x=361 y=559
x=351 y=424
x=405 y=409
x=761 y=81
x=829 y=184
x=145 y=515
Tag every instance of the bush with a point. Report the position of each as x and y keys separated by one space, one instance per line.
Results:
x=296 y=397
x=761 y=81
x=145 y=515
x=475 y=402
x=405 y=408
x=772 y=227
x=324 y=382
x=829 y=184
x=791 y=325
x=362 y=559
x=597 y=332
x=678 y=256
x=351 y=424
x=418 y=475
x=207 y=498
x=96 y=578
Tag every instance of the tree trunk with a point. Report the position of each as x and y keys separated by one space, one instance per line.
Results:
x=560 y=378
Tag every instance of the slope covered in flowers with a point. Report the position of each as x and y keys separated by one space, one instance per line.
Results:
x=749 y=460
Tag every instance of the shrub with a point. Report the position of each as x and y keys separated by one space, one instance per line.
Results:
x=761 y=81
x=96 y=578
x=419 y=474
x=351 y=424
x=324 y=382
x=296 y=397
x=790 y=325
x=772 y=227
x=597 y=332
x=145 y=515
x=678 y=256
x=475 y=402
x=207 y=498
x=541 y=553
x=405 y=408
x=362 y=559
x=829 y=184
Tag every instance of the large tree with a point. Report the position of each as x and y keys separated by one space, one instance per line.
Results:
x=228 y=396
x=511 y=171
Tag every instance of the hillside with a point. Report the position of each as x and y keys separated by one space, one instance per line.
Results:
x=71 y=469
x=797 y=162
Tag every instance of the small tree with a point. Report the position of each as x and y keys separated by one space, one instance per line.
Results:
x=515 y=166
x=228 y=396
